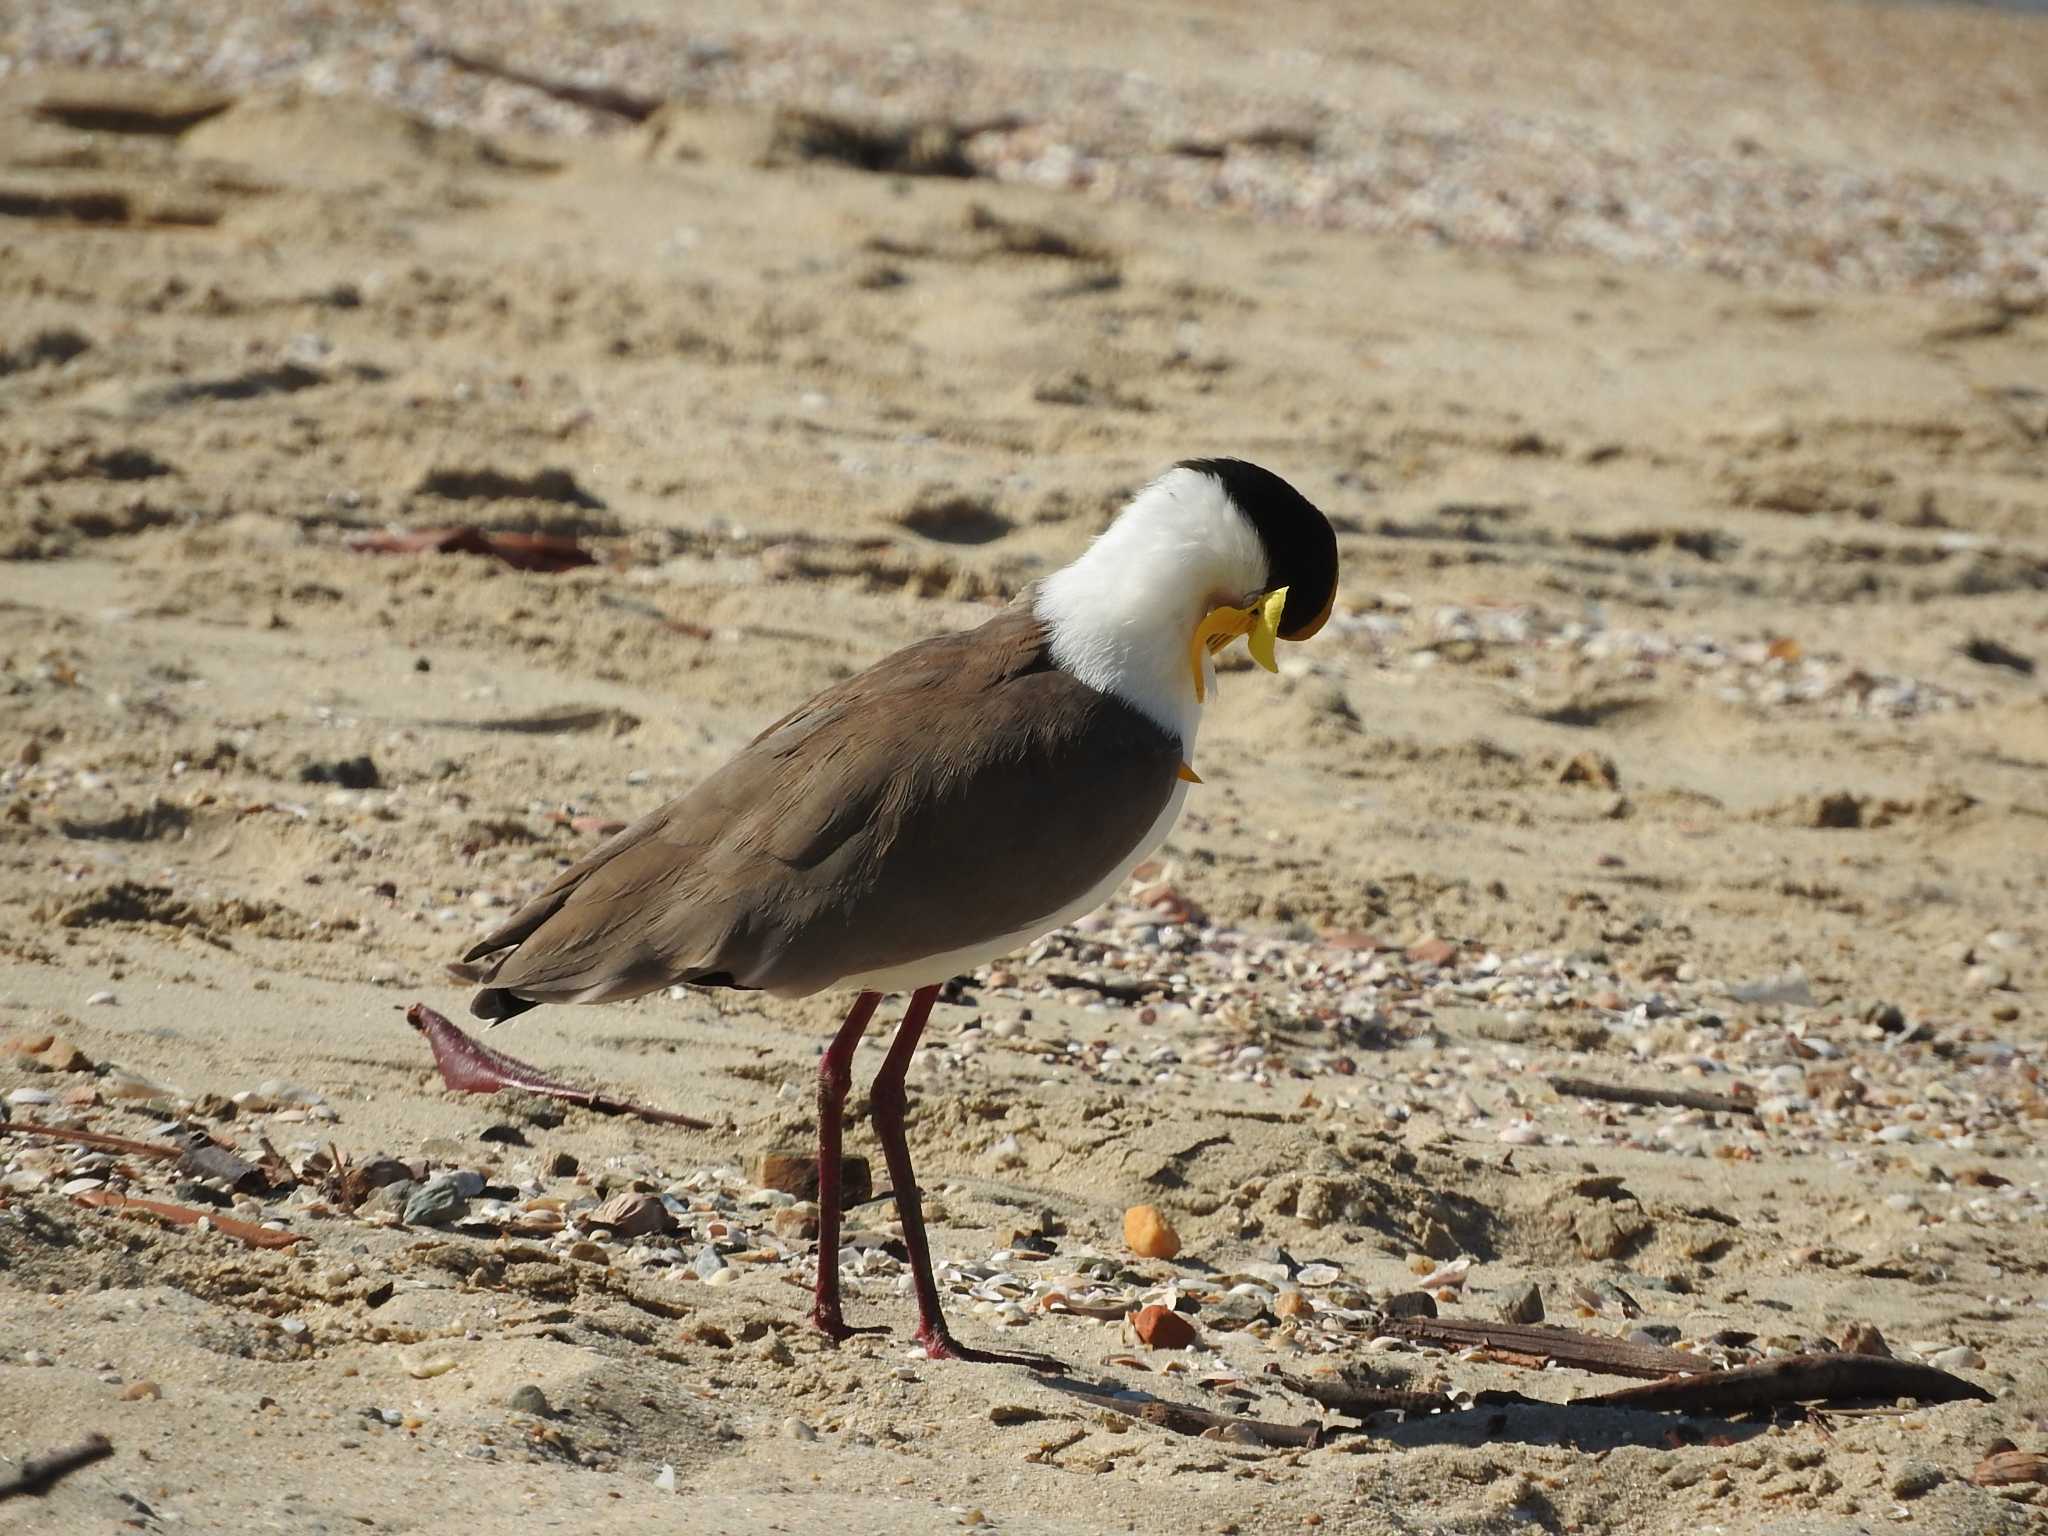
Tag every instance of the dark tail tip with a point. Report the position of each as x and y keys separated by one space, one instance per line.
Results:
x=497 y=1005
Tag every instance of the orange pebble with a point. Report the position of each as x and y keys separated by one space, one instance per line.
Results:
x=1149 y=1234
x=1163 y=1328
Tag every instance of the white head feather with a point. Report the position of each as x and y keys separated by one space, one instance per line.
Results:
x=1121 y=616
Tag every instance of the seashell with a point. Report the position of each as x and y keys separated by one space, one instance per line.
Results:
x=628 y=1214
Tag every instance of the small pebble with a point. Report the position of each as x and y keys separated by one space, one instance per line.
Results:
x=1163 y=1328
x=1522 y=1303
x=1915 y=1478
x=1149 y=1234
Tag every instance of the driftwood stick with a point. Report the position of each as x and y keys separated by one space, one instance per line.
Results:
x=1582 y=1351
x=1117 y=991
x=1183 y=1420
x=598 y=98
x=245 y=1232
x=1794 y=1379
x=98 y=1140
x=39 y=1474
x=1670 y=1098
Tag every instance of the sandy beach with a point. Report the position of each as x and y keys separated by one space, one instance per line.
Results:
x=431 y=436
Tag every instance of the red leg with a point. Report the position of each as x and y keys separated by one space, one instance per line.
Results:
x=835 y=1076
x=887 y=1096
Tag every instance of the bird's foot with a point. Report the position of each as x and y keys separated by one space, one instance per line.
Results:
x=941 y=1345
x=828 y=1321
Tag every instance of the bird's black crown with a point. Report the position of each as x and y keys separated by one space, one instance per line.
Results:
x=1300 y=544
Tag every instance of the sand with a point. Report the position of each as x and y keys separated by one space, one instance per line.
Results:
x=1682 y=722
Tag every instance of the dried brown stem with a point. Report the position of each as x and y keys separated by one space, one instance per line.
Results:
x=1117 y=991
x=98 y=1140
x=598 y=98
x=1582 y=1351
x=1669 y=1098
x=186 y=1216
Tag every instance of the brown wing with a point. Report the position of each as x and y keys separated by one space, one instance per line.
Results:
x=958 y=790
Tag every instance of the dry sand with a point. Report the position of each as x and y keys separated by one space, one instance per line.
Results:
x=1686 y=682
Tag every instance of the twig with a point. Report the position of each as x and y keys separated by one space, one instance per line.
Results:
x=96 y=1139
x=1051 y=1448
x=1671 y=1098
x=1794 y=1379
x=1183 y=1420
x=39 y=1474
x=1581 y=1351
x=469 y=1066
x=186 y=1216
x=1119 y=991
x=598 y=98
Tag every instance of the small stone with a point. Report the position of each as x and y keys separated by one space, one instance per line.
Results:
x=797 y=1429
x=1433 y=951
x=1149 y=1234
x=707 y=1263
x=562 y=1165
x=796 y=1173
x=799 y=1221
x=391 y=1198
x=141 y=1392
x=1915 y=1478
x=587 y=1252
x=1522 y=1303
x=1411 y=1304
x=1438 y=1242
x=102 y=999
x=1842 y=812
x=1864 y=1339
x=1291 y=1303
x=1015 y=1413
x=436 y=1203
x=1608 y=1231
x=1163 y=1328
x=530 y=1399
x=50 y=1053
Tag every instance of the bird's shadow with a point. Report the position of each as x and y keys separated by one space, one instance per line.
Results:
x=1571 y=1426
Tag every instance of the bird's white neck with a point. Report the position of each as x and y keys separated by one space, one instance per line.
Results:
x=1121 y=617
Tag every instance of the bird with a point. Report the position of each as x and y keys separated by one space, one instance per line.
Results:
x=957 y=800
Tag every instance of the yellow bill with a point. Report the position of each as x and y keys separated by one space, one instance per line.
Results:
x=1266 y=629
x=1223 y=625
